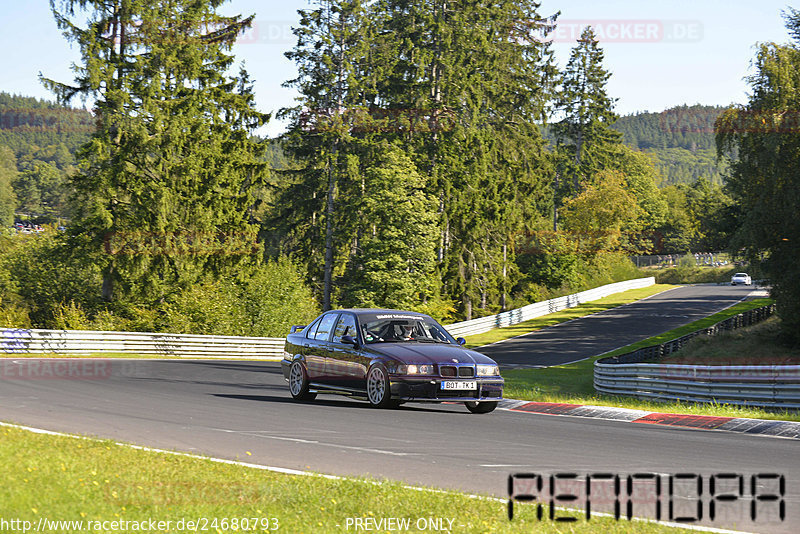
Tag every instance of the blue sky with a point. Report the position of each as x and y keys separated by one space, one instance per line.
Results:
x=661 y=52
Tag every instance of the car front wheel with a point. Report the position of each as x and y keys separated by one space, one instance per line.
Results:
x=481 y=407
x=298 y=382
x=378 y=390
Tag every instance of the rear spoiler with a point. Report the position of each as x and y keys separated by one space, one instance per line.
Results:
x=297 y=328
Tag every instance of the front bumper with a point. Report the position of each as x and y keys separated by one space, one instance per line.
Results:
x=430 y=389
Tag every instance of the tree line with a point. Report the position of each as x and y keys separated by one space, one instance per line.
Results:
x=414 y=173
x=680 y=140
x=765 y=173
x=444 y=105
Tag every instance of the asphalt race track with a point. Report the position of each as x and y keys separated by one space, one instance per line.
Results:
x=617 y=327
x=225 y=408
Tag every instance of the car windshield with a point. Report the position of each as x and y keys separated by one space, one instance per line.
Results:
x=392 y=328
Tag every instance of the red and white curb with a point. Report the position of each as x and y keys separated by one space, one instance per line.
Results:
x=762 y=427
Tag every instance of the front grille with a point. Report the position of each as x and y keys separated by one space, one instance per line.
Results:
x=452 y=371
x=466 y=372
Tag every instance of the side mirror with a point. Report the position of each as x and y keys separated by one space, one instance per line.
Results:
x=461 y=341
x=349 y=340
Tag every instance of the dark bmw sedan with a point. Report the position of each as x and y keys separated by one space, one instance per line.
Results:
x=388 y=357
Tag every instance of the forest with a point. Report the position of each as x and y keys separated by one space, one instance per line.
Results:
x=438 y=159
x=680 y=140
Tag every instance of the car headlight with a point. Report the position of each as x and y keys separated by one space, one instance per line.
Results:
x=488 y=370
x=415 y=369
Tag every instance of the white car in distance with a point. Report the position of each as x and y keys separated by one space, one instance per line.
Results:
x=741 y=278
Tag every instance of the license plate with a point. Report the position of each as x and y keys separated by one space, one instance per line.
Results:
x=459 y=386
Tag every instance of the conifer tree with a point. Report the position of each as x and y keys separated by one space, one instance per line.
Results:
x=461 y=87
x=8 y=173
x=165 y=188
x=333 y=44
x=394 y=262
x=480 y=76
x=584 y=134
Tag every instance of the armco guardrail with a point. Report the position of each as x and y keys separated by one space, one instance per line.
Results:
x=69 y=342
x=538 y=309
x=773 y=386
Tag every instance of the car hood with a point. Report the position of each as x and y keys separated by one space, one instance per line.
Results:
x=429 y=353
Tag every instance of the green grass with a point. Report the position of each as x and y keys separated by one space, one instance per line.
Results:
x=611 y=301
x=759 y=344
x=572 y=383
x=67 y=479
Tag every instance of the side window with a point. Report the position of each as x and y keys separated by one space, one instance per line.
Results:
x=345 y=327
x=325 y=327
x=310 y=329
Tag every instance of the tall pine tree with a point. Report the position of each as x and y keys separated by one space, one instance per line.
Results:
x=585 y=139
x=480 y=75
x=166 y=182
x=314 y=208
x=460 y=87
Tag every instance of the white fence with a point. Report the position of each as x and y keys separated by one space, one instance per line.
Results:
x=538 y=309
x=77 y=342
x=773 y=386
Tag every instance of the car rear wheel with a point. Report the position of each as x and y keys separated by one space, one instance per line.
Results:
x=481 y=407
x=378 y=390
x=298 y=382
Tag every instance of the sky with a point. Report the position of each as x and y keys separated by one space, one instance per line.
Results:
x=661 y=53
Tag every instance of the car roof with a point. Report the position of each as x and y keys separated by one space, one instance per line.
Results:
x=372 y=311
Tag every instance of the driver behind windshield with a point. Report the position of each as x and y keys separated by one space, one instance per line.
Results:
x=402 y=330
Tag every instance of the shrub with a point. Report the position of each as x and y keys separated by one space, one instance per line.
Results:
x=275 y=298
x=261 y=301
x=70 y=317
x=45 y=277
x=13 y=315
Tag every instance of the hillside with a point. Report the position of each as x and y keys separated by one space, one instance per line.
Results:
x=680 y=139
x=43 y=138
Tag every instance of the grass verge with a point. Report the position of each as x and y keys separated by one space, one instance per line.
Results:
x=59 y=478
x=572 y=383
x=759 y=344
x=605 y=303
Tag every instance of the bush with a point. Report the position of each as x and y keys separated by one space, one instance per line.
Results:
x=43 y=285
x=44 y=278
x=551 y=277
x=209 y=307
x=275 y=298
x=694 y=275
x=263 y=301
x=13 y=315
x=70 y=317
